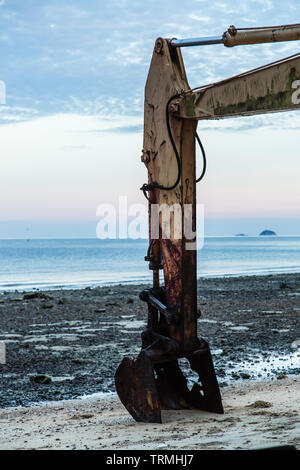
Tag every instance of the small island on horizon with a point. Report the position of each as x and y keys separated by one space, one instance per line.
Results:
x=267 y=232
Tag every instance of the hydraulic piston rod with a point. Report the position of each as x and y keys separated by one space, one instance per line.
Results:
x=197 y=41
x=242 y=36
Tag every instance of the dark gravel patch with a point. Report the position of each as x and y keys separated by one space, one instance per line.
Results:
x=78 y=337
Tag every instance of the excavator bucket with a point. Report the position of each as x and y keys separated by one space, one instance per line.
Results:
x=146 y=388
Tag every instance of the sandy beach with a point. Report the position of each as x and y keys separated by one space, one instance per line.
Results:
x=65 y=344
x=260 y=414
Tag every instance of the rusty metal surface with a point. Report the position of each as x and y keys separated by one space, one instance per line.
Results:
x=167 y=77
x=241 y=36
x=152 y=380
x=271 y=88
x=136 y=388
x=206 y=396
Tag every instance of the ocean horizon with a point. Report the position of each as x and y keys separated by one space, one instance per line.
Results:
x=56 y=263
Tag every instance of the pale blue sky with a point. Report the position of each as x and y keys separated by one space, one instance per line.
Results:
x=71 y=128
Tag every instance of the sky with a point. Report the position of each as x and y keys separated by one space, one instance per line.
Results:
x=71 y=127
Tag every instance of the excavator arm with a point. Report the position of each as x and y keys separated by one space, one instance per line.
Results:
x=153 y=380
x=271 y=88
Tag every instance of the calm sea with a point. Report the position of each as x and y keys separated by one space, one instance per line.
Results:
x=55 y=263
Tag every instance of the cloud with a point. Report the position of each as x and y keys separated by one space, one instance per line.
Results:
x=63 y=166
x=71 y=129
x=202 y=19
x=93 y=57
x=13 y=114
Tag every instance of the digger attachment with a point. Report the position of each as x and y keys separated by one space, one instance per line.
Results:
x=153 y=381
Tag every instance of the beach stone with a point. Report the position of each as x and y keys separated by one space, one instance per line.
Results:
x=82 y=416
x=235 y=376
x=281 y=376
x=295 y=344
x=31 y=295
x=79 y=360
x=245 y=375
x=41 y=379
x=260 y=404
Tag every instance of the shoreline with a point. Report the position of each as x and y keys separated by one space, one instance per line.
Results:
x=136 y=282
x=77 y=263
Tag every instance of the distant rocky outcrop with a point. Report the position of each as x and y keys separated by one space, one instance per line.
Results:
x=241 y=235
x=267 y=232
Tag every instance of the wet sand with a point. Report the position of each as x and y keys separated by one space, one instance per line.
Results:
x=78 y=337
x=257 y=414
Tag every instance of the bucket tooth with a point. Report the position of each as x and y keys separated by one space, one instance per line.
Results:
x=206 y=396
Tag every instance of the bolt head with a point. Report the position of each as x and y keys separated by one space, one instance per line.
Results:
x=174 y=107
x=158 y=45
x=145 y=157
